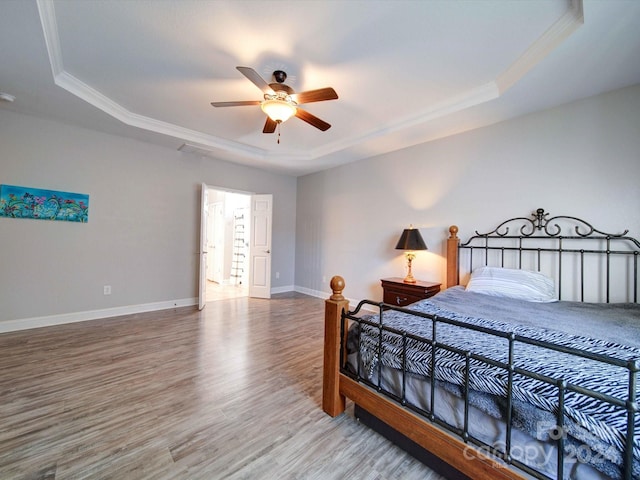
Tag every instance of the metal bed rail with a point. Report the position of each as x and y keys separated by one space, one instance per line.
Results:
x=512 y=367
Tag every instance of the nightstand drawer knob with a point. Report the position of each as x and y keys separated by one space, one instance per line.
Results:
x=400 y=301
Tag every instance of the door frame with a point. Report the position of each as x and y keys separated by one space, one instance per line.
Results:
x=202 y=253
x=202 y=258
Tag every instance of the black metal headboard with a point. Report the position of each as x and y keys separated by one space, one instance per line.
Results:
x=586 y=263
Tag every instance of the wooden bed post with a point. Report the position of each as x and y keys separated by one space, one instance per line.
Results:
x=452 y=257
x=333 y=402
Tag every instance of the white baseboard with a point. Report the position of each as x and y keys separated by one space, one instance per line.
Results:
x=286 y=288
x=51 y=320
x=312 y=293
x=325 y=295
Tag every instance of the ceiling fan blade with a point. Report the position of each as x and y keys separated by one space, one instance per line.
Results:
x=241 y=103
x=269 y=126
x=256 y=79
x=319 y=95
x=312 y=120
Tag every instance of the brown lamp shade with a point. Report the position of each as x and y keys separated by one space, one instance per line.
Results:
x=411 y=240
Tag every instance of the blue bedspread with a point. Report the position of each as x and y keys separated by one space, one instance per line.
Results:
x=612 y=330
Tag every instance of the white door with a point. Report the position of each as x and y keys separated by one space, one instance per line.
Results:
x=260 y=246
x=216 y=243
x=204 y=210
x=210 y=230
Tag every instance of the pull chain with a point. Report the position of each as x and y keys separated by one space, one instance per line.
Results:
x=279 y=132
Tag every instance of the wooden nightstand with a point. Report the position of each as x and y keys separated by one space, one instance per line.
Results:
x=400 y=294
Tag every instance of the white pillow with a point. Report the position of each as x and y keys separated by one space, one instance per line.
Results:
x=508 y=282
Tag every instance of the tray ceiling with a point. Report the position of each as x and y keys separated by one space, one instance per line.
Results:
x=406 y=72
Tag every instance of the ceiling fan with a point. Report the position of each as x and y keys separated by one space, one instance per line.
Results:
x=281 y=102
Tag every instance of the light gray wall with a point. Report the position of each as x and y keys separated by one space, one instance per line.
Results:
x=143 y=230
x=580 y=159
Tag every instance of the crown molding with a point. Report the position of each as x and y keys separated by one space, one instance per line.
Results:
x=545 y=44
x=51 y=38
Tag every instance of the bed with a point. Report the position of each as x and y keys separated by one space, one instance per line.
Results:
x=529 y=370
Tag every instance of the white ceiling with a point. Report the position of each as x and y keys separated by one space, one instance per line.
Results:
x=406 y=72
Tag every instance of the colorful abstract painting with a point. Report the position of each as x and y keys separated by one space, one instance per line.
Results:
x=26 y=202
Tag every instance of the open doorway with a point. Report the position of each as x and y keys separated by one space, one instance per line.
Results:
x=228 y=234
x=247 y=255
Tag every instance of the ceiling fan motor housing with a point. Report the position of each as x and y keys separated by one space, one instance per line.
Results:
x=281 y=87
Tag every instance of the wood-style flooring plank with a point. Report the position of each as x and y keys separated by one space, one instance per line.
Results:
x=232 y=392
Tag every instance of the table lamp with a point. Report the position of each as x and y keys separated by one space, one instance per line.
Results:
x=410 y=241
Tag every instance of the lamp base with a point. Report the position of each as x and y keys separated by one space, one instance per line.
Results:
x=409 y=278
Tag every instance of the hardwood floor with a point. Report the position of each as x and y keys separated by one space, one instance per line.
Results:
x=216 y=291
x=231 y=392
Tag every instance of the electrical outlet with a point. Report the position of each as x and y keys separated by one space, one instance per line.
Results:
x=277 y=274
x=107 y=289
x=324 y=279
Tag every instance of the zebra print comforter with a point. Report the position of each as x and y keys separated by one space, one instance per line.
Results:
x=589 y=423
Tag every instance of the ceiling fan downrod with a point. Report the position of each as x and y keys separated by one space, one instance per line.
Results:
x=280 y=76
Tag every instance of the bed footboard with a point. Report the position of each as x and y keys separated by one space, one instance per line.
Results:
x=337 y=387
x=333 y=400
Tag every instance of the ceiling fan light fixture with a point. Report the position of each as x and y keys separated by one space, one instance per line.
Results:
x=280 y=101
x=278 y=110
